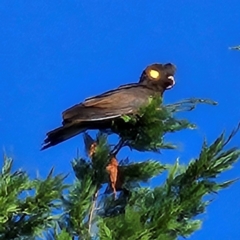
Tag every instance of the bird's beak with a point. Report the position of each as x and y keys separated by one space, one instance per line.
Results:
x=173 y=82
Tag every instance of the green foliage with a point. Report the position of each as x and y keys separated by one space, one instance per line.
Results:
x=141 y=171
x=170 y=210
x=88 y=209
x=58 y=234
x=64 y=235
x=95 y=167
x=212 y=160
x=146 y=131
x=77 y=206
x=26 y=206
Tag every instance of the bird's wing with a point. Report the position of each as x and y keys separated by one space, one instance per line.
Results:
x=111 y=92
x=123 y=100
x=111 y=98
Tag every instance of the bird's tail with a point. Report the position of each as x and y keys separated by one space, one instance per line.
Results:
x=61 y=134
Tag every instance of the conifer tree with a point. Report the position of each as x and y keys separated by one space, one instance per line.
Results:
x=107 y=199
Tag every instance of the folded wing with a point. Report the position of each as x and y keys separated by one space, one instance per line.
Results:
x=112 y=104
x=95 y=112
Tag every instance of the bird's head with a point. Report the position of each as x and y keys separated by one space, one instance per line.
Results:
x=159 y=76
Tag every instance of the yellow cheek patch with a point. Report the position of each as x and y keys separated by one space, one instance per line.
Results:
x=154 y=74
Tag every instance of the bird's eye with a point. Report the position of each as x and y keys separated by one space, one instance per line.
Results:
x=154 y=74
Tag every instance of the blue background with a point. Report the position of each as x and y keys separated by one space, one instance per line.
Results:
x=54 y=54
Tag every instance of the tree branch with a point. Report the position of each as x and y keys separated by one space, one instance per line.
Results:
x=92 y=211
x=118 y=147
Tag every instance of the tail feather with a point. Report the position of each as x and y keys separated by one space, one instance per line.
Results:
x=61 y=134
x=69 y=130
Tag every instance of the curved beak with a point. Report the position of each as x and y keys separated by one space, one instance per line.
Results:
x=173 y=82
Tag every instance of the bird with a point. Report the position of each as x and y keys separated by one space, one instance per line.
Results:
x=100 y=111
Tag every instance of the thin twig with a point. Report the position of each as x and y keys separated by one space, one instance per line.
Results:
x=233 y=133
x=188 y=104
x=92 y=211
x=118 y=147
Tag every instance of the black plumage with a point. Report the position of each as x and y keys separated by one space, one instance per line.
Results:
x=99 y=111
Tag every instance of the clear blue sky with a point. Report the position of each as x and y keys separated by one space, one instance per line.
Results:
x=53 y=54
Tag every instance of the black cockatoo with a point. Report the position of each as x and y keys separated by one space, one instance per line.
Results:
x=98 y=112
